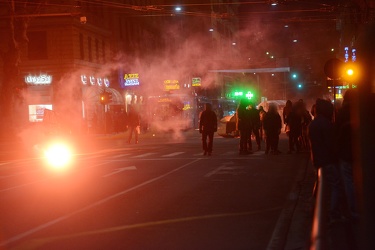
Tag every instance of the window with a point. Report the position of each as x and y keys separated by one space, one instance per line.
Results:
x=37 y=46
x=97 y=50
x=81 y=48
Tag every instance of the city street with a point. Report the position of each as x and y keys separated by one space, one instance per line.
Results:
x=159 y=194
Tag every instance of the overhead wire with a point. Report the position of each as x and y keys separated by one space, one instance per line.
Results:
x=162 y=9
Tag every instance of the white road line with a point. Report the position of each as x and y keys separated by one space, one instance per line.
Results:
x=199 y=154
x=143 y=155
x=119 y=156
x=173 y=154
x=215 y=171
x=95 y=204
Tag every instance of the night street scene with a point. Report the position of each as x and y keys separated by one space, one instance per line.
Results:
x=163 y=124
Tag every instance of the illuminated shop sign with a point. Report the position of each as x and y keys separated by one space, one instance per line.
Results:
x=131 y=79
x=36 y=112
x=196 y=82
x=41 y=79
x=171 y=85
x=92 y=80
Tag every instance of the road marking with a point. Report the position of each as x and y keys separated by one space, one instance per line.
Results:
x=199 y=154
x=173 y=154
x=119 y=170
x=225 y=169
x=41 y=242
x=143 y=155
x=95 y=204
x=119 y=156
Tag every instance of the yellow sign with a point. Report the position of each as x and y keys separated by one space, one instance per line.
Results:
x=171 y=85
x=196 y=82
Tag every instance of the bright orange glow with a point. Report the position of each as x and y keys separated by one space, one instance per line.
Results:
x=349 y=72
x=58 y=155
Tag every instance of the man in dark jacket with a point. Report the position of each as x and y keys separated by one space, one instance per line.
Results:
x=255 y=126
x=207 y=127
x=243 y=125
x=272 y=127
x=322 y=139
x=344 y=148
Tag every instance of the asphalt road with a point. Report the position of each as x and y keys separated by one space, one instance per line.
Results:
x=159 y=194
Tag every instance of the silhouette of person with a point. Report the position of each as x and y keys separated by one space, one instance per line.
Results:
x=207 y=127
x=133 y=120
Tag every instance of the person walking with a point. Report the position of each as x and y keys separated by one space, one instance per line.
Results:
x=272 y=126
x=207 y=127
x=243 y=126
x=133 y=121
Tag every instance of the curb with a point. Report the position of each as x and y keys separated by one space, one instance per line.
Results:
x=292 y=230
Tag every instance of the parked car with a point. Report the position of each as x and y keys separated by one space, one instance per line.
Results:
x=227 y=126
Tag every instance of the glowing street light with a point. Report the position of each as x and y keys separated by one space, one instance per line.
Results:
x=350 y=72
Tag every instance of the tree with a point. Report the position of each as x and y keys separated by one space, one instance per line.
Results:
x=16 y=22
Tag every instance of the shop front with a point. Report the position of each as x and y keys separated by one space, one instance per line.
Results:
x=97 y=115
x=39 y=95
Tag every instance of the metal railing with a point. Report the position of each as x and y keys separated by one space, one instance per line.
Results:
x=319 y=228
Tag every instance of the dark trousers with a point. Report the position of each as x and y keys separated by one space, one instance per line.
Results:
x=244 y=137
x=133 y=129
x=293 y=140
x=207 y=145
x=254 y=131
x=272 y=140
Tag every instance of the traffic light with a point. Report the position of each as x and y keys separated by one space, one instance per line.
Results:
x=109 y=94
x=103 y=98
x=351 y=72
x=300 y=85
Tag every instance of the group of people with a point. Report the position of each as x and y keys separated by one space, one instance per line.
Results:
x=258 y=123
x=324 y=132
x=250 y=122
x=297 y=119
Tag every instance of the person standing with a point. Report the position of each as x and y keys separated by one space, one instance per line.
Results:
x=262 y=113
x=133 y=120
x=286 y=111
x=243 y=126
x=344 y=149
x=294 y=122
x=322 y=139
x=272 y=127
x=207 y=127
x=255 y=126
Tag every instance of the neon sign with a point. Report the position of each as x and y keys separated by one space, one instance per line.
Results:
x=94 y=81
x=41 y=79
x=171 y=85
x=131 y=79
x=196 y=82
